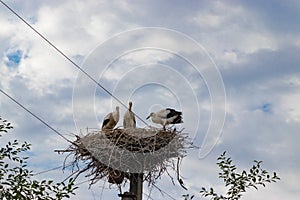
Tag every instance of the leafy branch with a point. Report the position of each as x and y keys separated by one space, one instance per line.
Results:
x=239 y=182
x=16 y=180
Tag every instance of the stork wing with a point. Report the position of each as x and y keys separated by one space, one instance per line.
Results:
x=163 y=113
x=105 y=122
x=134 y=122
x=106 y=119
x=173 y=112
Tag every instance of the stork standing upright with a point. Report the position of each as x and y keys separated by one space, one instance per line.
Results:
x=111 y=119
x=129 y=118
x=166 y=116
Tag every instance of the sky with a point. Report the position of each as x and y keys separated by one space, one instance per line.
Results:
x=232 y=68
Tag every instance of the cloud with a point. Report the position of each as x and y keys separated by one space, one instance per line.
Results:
x=280 y=17
x=263 y=117
x=264 y=66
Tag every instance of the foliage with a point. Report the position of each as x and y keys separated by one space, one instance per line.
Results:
x=188 y=197
x=4 y=126
x=239 y=182
x=16 y=181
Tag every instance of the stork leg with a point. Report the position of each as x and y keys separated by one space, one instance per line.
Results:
x=164 y=126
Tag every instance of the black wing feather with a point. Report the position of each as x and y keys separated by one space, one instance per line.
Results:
x=105 y=122
x=173 y=112
x=177 y=120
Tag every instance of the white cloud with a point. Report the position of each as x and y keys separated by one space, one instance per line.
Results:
x=290 y=107
x=218 y=15
x=231 y=30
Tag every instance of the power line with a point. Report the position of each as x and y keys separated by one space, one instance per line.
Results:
x=53 y=169
x=69 y=59
x=148 y=196
x=34 y=115
x=48 y=170
x=170 y=196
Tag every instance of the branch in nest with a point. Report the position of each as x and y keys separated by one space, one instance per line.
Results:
x=115 y=153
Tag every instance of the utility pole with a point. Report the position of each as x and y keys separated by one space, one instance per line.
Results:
x=136 y=185
x=135 y=188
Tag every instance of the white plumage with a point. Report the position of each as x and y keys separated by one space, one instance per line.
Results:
x=166 y=116
x=111 y=119
x=129 y=118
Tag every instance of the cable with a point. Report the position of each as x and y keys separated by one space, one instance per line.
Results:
x=164 y=192
x=49 y=170
x=34 y=115
x=150 y=192
x=148 y=195
x=69 y=59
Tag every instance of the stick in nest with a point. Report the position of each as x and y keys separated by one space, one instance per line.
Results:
x=116 y=153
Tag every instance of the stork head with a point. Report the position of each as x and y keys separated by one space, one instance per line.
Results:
x=151 y=114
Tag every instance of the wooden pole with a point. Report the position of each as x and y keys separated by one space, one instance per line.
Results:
x=140 y=186
x=136 y=185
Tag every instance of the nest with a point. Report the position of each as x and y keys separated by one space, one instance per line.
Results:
x=118 y=153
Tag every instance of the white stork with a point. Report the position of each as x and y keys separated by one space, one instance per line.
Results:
x=111 y=119
x=129 y=118
x=166 y=116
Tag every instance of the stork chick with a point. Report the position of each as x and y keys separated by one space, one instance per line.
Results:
x=129 y=118
x=166 y=116
x=111 y=119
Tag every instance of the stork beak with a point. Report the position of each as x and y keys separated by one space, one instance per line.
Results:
x=148 y=117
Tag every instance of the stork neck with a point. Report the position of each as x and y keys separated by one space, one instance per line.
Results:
x=130 y=106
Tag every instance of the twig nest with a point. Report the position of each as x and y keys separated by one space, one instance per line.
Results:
x=116 y=177
x=116 y=153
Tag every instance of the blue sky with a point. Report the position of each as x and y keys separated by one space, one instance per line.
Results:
x=248 y=48
x=14 y=58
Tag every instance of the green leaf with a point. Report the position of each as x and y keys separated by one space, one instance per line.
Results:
x=18 y=180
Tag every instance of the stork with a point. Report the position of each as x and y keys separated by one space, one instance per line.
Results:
x=111 y=119
x=166 y=116
x=129 y=118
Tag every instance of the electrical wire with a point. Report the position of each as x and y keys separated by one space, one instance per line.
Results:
x=170 y=196
x=69 y=59
x=34 y=115
x=148 y=195
x=48 y=170
x=53 y=169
